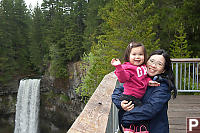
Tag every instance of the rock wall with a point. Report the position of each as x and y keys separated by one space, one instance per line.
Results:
x=59 y=104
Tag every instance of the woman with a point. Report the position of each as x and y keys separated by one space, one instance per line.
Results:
x=155 y=100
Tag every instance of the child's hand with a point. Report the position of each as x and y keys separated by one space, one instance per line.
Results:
x=153 y=83
x=115 y=62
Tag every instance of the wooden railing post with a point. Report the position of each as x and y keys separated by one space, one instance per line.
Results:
x=94 y=117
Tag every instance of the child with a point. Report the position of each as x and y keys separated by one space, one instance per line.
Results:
x=133 y=73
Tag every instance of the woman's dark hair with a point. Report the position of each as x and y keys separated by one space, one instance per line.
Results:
x=168 y=70
x=134 y=45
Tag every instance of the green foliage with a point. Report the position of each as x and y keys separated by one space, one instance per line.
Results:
x=92 y=22
x=57 y=67
x=31 y=42
x=179 y=47
x=64 y=98
x=168 y=19
x=97 y=66
x=189 y=11
x=14 y=31
x=131 y=20
x=46 y=40
x=64 y=34
x=37 y=48
x=135 y=21
x=50 y=95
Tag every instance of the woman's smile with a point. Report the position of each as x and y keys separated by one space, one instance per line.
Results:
x=155 y=65
x=151 y=70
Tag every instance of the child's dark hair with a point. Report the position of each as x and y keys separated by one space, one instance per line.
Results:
x=134 y=45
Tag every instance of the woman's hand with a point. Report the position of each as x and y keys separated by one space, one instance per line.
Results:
x=127 y=106
x=115 y=62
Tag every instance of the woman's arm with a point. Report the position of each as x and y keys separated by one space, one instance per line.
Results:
x=159 y=97
x=116 y=96
x=125 y=105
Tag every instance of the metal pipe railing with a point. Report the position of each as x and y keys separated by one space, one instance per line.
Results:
x=186 y=74
x=112 y=125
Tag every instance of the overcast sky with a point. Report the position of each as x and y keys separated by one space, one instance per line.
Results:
x=33 y=2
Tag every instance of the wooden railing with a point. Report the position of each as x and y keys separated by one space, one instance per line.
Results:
x=94 y=117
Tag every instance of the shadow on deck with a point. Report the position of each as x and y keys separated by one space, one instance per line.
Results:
x=180 y=108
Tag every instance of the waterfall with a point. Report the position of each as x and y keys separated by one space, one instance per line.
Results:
x=27 y=107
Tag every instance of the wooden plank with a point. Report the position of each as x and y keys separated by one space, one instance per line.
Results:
x=180 y=108
x=185 y=99
x=184 y=114
x=180 y=121
x=94 y=117
x=182 y=105
x=184 y=108
x=177 y=131
x=177 y=127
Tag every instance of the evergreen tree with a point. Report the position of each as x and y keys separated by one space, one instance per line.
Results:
x=20 y=39
x=125 y=20
x=168 y=16
x=179 y=46
x=38 y=49
x=77 y=14
x=54 y=31
x=131 y=20
x=171 y=13
x=189 y=12
x=92 y=22
x=14 y=38
x=64 y=32
x=6 y=51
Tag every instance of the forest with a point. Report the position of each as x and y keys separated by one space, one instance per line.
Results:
x=43 y=40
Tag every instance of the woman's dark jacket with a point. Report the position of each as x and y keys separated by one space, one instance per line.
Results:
x=154 y=108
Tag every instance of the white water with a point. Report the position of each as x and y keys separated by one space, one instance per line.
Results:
x=27 y=107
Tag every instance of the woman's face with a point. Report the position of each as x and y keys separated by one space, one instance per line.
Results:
x=155 y=65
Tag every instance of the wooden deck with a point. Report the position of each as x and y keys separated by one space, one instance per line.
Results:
x=180 y=108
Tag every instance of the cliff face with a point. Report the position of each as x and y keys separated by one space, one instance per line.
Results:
x=59 y=104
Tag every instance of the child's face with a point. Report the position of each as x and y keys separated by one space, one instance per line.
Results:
x=137 y=56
